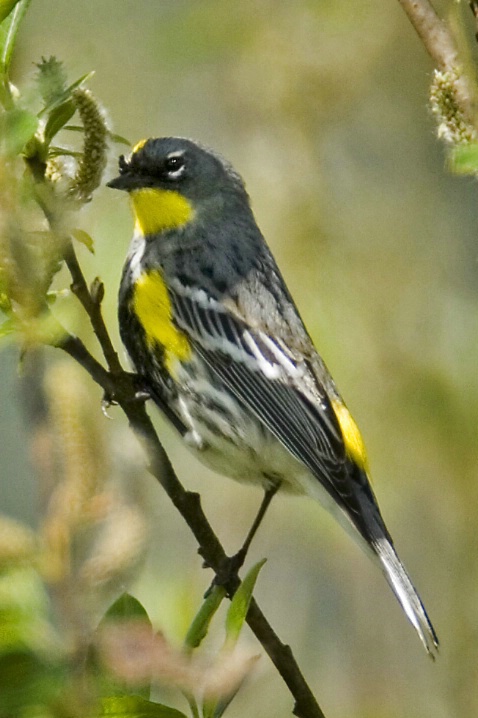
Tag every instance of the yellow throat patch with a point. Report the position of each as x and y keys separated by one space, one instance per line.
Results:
x=353 y=441
x=156 y=210
x=152 y=305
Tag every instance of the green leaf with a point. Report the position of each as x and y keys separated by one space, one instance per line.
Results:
x=75 y=128
x=84 y=78
x=63 y=152
x=57 y=118
x=116 y=138
x=6 y=7
x=200 y=625
x=136 y=707
x=81 y=236
x=125 y=608
x=464 y=159
x=8 y=33
x=119 y=139
x=237 y=612
x=17 y=127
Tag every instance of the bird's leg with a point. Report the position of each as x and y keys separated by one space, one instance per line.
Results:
x=269 y=494
x=234 y=563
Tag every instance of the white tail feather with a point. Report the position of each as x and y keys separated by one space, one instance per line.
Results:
x=406 y=594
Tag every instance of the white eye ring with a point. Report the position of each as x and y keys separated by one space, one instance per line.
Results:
x=174 y=164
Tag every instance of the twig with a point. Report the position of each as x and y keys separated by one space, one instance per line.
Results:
x=91 y=301
x=77 y=350
x=121 y=386
x=441 y=46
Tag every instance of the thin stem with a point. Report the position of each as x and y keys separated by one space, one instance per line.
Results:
x=92 y=306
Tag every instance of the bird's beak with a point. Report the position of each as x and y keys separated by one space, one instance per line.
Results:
x=124 y=182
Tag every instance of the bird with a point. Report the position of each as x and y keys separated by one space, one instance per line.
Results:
x=218 y=343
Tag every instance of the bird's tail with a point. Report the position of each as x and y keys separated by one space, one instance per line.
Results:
x=406 y=594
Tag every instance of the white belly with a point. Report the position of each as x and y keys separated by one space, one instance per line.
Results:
x=233 y=442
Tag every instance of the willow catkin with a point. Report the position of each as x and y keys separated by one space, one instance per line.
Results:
x=80 y=464
x=92 y=162
x=452 y=126
x=118 y=549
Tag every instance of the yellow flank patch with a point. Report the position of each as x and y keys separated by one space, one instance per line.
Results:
x=353 y=441
x=152 y=305
x=156 y=210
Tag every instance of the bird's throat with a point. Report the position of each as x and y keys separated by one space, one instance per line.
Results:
x=158 y=210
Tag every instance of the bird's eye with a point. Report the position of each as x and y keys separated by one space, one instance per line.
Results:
x=174 y=165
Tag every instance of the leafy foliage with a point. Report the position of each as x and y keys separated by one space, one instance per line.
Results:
x=11 y=15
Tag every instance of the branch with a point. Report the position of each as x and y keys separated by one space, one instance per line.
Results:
x=122 y=387
x=77 y=350
x=441 y=46
x=91 y=301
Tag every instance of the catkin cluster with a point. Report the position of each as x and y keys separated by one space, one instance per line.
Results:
x=452 y=126
x=93 y=159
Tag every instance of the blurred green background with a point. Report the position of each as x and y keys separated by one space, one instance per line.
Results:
x=322 y=107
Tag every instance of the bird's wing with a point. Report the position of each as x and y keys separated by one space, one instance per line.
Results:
x=261 y=372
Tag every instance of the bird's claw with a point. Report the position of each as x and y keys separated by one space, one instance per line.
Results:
x=106 y=402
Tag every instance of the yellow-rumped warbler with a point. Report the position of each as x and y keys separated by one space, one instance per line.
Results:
x=213 y=332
